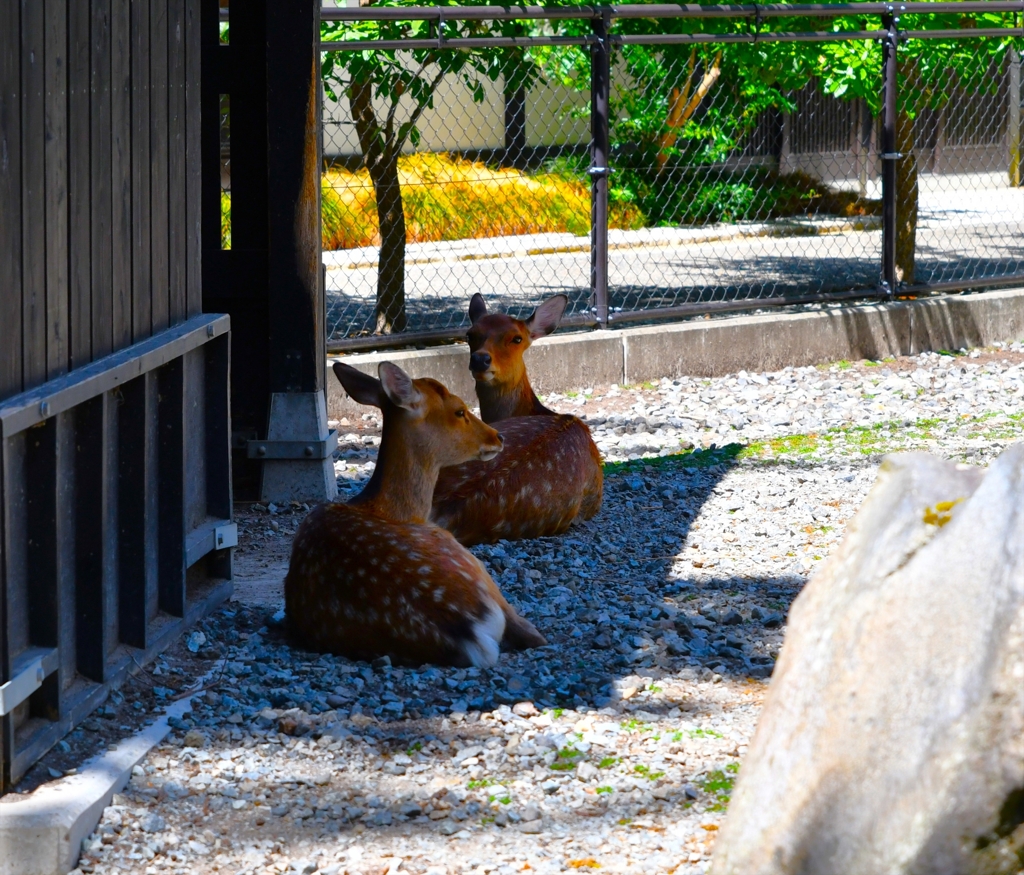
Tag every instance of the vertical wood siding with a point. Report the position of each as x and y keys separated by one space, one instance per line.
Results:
x=99 y=179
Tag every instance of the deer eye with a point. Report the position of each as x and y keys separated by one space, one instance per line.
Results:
x=517 y=339
x=461 y=413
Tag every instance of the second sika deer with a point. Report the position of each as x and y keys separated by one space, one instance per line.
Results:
x=550 y=470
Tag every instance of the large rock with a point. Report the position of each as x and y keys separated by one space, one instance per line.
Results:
x=892 y=740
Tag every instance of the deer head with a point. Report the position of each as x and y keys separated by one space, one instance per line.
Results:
x=496 y=345
x=425 y=428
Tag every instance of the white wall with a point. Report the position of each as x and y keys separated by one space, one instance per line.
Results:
x=457 y=123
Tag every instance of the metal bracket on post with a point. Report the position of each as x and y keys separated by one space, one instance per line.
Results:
x=293 y=449
x=600 y=94
x=297 y=462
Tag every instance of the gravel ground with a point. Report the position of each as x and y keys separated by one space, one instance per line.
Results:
x=615 y=746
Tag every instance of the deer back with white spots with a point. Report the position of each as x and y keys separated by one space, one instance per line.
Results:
x=372 y=577
x=550 y=470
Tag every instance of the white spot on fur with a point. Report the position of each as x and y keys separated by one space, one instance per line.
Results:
x=482 y=651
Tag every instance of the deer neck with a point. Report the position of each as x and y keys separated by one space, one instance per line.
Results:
x=403 y=481
x=504 y=402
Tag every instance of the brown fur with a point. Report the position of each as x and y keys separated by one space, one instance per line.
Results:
x=372 y=578
x=550 y=470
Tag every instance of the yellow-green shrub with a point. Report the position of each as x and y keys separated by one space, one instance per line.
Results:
x=450 y=199
x=446 y=198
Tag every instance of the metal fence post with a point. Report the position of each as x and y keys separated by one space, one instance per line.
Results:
x=889 y=154
x=1013 y=120
x=600 y=89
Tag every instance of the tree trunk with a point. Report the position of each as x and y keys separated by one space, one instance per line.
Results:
x=381 y=160
x=391 y=262
x=906 y=199
x=515 y=127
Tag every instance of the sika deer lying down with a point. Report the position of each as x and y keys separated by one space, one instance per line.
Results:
x=372 y=577
x=550 y=470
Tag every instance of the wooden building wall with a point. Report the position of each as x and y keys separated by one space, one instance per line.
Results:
x=99 y=179
x=115 y=469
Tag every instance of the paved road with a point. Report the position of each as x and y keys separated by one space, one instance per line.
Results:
x=964 y=233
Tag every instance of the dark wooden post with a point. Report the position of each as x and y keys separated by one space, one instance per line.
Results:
x=297 y=456
x=293 y=154
x=269 y=280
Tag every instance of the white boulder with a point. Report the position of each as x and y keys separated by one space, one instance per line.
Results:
x=892 y=738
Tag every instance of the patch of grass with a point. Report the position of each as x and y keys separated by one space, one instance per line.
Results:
x=704 y=733
x=604 y=790
x=479 y=784
x=881 y=437
x=696 y=458
x=719 y=784
x=566 y=759
x=797 y=444
x=415 y=746
x=448 y=198
x=608 y=762
x=647 y=773
x=634 y=725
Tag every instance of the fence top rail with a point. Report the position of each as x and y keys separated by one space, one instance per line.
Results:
x=484 y=42
x=663 y=10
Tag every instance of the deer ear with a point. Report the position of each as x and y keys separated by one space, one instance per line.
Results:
x=361 y=387
x=477 y=308
x=399 y=387
x=546 y=317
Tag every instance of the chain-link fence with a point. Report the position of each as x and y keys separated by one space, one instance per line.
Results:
x=649 y=167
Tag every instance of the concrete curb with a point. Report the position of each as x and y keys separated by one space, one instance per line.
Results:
x=42 y=834
x=711 y=348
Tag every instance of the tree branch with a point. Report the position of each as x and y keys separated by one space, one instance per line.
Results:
x=681 y=108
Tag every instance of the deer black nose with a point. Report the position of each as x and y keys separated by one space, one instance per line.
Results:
x=479 y=361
